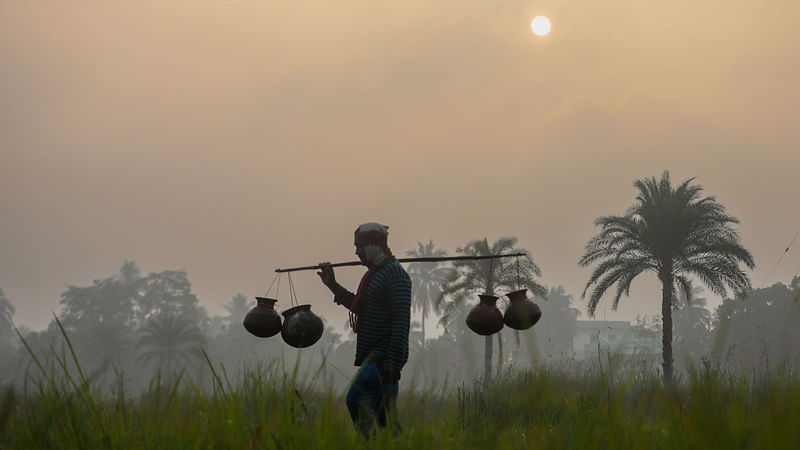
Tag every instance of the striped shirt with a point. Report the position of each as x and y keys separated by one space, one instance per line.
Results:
x=383 y=324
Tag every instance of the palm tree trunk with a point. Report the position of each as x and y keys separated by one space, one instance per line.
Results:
x=423 y=328
x=499 y=352
x=666 y=334
x=487 y=357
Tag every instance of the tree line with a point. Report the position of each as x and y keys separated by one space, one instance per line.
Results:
x=130 y=321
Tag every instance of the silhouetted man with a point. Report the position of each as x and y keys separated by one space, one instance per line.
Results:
x=379 y=314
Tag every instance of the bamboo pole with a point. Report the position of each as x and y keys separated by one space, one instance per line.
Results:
x=405 y=260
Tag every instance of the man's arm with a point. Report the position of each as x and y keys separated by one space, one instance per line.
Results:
x=341 y=295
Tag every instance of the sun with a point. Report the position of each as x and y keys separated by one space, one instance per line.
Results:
x=540 y=25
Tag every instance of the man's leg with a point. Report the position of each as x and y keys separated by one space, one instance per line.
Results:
x=386 y=408
x=363 y=398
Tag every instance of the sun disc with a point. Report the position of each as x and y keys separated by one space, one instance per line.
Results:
x=540 y=25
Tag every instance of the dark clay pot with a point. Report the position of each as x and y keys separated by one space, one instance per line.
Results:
x=521 y=313
x=301 y=327
x=263 y=321
x=484 y=318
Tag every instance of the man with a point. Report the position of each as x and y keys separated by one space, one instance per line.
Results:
x=380 y=315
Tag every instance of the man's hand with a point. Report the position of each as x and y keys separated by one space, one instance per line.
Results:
x=326 y=275
x=390 y=373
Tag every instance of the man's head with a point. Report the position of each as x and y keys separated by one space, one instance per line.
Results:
x=371 y=243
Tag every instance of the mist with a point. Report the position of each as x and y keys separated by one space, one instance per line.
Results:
x=229 y=139
x=131 y=328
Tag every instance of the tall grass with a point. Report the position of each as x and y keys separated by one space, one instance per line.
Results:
x=567 y=406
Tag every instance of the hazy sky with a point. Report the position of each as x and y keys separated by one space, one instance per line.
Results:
x=229 y=138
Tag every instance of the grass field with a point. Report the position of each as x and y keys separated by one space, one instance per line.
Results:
x=547 y=407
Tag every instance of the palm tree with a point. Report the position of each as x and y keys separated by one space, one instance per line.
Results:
x=427 y=277
x=129 y=272
x=488 y=276
x=675 y=233
x=171 y=341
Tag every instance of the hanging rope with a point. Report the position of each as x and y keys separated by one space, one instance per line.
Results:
x=490 y=276
x=781 y=258
x=292 y=294
x=277 y=277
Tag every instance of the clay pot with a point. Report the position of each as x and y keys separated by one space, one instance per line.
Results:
x=521 y=313
x=263 y=321
x=484 y=318
x=301 y=327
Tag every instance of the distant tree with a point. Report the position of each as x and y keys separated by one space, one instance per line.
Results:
x=168 y=293
x=107 y=300
x=489 y=276
x=692 y=323
x=100 y=319
x=170 y=341
x=6 y=315
x=6 y=332
x=42 y=344
x=237 y=308
x=103 y=347
x=673 y=232
x=129 y=273
x=556 y=334
x=427 y=280
x=759 y=331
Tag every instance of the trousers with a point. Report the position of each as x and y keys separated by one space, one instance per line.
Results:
x=371 y=402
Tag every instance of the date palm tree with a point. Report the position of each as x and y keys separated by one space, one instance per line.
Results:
x=171 y=342
x=490 y=276
x=675 y=233
x=427 y=280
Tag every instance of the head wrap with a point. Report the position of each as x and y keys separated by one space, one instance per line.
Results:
x=372 y=233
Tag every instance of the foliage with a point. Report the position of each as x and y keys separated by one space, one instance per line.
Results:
x=6 y=340
x=6 y=315
x=237 y=308
x=127 y=299
x=758 y=332
x=547 y=407
x=108 y=300
x=489 y=276
x=168 y=293
x=105 y=317
x=556 y=331
x=427 y=280
x=171 y=342
x=674 y=233
x=692 y=323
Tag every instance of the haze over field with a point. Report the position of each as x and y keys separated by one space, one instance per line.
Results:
x=232 y=138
